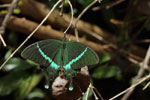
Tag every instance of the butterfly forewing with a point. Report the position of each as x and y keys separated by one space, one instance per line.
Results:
x=48 y=47
x=81 y=54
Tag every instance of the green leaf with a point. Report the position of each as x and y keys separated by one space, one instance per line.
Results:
x=31 y=62
x=8 y=53
x=3 y=12
x=66 y=4
x=16 y=64
x=16 y=11
x=27 y=85
x=20 y=2
x=84 y=3
x=106 y=72
x=11 y=81
x=36 y=93
x=105 y=57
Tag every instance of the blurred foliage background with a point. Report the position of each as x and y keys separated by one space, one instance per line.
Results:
x=128 y=22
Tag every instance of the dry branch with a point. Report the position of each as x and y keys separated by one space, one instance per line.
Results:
x=46 y=32
x=4 y=23
x=143 y=67
x=4 y=5
x=131 y=87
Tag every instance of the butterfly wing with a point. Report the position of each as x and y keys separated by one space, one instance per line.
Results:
x=78 y=55
x=42 y=52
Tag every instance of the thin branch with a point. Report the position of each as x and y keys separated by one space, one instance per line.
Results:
x=96 y=98
x=4 y=23
x=4 y=5
x=143 y=66
x=81 y=14
x=147 y=59
x=62 y=8
x=133 y=86
x=87 y=93
x=93 y=90
x=71 y=17
x=143 y=41
x=109 y=5
x=114 y=4
x=139 y=75
x=98 y=93
x=2 y=40
x=146 y=85
x=31 y=34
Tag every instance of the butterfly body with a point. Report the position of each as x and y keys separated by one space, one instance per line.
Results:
x=56 y=55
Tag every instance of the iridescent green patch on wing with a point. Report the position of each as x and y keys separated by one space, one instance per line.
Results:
x=68 y=66
x=44 y=55
x=52 y=64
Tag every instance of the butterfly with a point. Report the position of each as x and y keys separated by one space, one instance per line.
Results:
x=60 y=57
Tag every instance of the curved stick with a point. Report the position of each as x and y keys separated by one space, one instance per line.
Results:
x=131 y=87
x=75 y=23
x=71 y=17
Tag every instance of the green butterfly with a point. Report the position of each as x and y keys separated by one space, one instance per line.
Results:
x=60 y=57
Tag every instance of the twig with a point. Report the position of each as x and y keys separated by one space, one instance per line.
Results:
x=147 y=58
x=98 y=93
x=75 y=23
x=114 y=4
x=131 y=87
x=4 y=23
x=143 y=66
x=93 y=90
x=108 y=6
x=81 y=14
x=31 y=34
x=71 y=17
x=2 y=40
x=87 y=93
x=62 y=8
x=96 y=98
x=143 y=41
x=4 y=5
x=146 y=85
